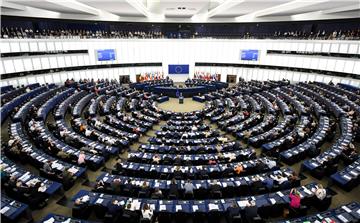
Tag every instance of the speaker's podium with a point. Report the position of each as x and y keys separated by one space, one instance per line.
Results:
x=181 y=100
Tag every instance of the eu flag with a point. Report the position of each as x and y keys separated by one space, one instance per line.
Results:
x=178 y=68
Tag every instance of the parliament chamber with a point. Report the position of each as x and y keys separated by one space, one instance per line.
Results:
x=180 y=112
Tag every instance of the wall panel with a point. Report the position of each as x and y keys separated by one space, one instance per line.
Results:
x=187 y=51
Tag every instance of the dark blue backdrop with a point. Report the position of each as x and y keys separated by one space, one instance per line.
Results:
x=178 y=68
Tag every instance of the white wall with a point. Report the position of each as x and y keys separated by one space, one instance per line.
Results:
x=180 y=51
x=60 y=77
x=269 y=74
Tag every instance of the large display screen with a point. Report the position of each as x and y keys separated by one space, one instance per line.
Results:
x=249 y=54
x=178 y=68
x=104 y=55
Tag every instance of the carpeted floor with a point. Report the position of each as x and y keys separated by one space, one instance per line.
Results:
x=188 y=106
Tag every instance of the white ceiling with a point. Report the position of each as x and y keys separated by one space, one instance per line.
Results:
x=184 y=10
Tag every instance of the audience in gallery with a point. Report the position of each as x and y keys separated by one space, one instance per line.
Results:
x=68 y=33
x=21 y=33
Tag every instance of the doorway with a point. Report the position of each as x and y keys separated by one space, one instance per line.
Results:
x=124 y=79
x=231 y=79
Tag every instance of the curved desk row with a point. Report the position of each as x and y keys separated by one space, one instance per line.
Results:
x=148 y=86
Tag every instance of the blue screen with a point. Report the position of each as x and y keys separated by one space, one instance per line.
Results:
x=104 y=55
x=249 y=54
x=178 y=68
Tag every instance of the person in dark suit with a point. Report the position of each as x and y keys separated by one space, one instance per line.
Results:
x=130 y=214
x=49 y=145
x=12 y=182
x=177 y=160
x=256 y=184
x=81 y=206
x=157 y=194
x=214 y=187
x=115 y=209
x=178 y=174
x=228 y=171
x=202 y=174
x=116 y=185
x=269 y=183
x=174 y=188
x=47 y=167
x=167 y=160
x=145 y=188
x=36 y=196
x=232 y=211
x=260 y=166
x=68 y=178
x=251 y=211
x=118 y=164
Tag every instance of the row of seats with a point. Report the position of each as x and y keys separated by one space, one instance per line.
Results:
x=159 y=176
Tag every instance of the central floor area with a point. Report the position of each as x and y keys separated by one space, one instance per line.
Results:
x=188 y=106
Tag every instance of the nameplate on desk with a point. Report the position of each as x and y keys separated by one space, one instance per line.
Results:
x=307 y=191
x=213 y=207
x=319 y=216
x=272 y=201
x=178 y=208
x=162 y=207
x=346 y=209
x=354 y=173
x=4 y=210
x=342 y=218
x=136 y=204
x=99 y=201
x=242 y=203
